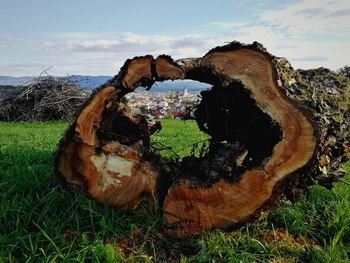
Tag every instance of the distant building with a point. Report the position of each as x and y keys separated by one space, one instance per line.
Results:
x=177 y=115
x=136 y=111
x=163 y=104
x=185 y=93
x=157 y=114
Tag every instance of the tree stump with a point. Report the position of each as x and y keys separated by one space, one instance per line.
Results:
x=274 y=132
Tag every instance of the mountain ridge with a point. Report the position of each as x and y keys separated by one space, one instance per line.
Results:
x=92 y=82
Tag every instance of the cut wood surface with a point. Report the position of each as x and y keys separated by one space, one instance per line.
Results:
x=266 y=141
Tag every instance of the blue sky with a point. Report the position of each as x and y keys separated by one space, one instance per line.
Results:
x=96 y=37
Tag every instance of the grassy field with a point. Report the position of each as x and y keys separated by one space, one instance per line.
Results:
x=42 y=222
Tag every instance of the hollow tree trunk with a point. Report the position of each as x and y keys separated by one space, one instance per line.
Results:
x=270 y=135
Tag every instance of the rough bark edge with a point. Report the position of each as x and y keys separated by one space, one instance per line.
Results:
x=308 y=113
x=310 y=163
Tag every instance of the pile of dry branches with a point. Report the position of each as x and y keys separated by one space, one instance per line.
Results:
x=48 y=98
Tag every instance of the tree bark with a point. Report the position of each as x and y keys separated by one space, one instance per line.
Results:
x=267 y=140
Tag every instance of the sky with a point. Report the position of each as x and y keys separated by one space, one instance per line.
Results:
x=92 y=37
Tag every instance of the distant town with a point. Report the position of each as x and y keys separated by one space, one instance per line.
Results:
x=158 y=105
x=167 y=99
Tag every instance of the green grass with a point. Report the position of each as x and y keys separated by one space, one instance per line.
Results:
x=182 y=136
x=42 y=222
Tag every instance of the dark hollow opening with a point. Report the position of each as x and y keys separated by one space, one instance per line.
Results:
x=230 y=114
x=242 y=137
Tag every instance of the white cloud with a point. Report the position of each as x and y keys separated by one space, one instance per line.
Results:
x=302 y=54
x=104 y=54
x=311 y=16
x=229 y=24
x=310 y=58
x=130 y=43
x=309 y=33
x=127 y=45
x=8 y=37
x=263 y=34
x=306 y=54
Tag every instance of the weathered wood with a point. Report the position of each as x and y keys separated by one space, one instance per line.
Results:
x=92 y=156
x=224 y=204
x=266 y=140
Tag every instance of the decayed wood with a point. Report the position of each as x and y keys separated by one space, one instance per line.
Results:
x=92 y=159
x=223 y=204
x=264 y=143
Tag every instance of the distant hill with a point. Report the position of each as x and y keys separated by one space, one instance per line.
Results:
x=89 y=82
x=86 y=82
x=179 y=85
x=15 y=81
x=92 y=82
x=9 y=91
